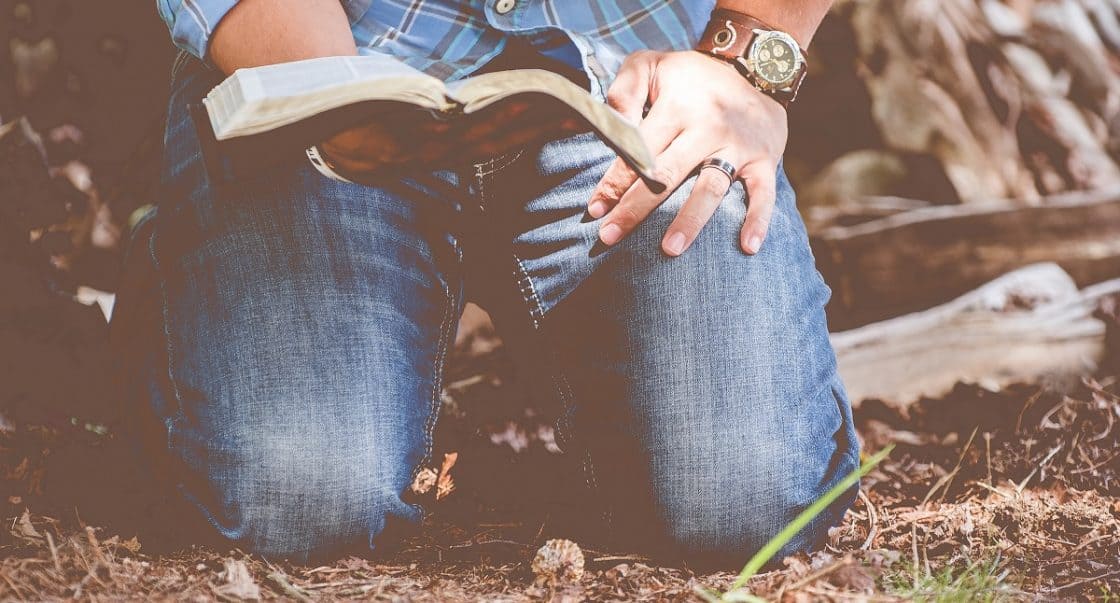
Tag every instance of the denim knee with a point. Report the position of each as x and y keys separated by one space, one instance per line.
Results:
x=731 y=525
x=301 y=494
x=723 y=497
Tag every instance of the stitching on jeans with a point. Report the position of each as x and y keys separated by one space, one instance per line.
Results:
x=171 y=379
x=497 y=164
x=437 y=381
x=590 y=476
x=529 y=292
x=181 y=60
x=479 y=174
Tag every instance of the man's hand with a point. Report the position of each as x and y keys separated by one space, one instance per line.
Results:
x=699 y=108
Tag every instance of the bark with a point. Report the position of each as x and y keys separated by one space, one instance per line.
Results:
x=1028 y=326
x=1017 y=99
x=916 y=259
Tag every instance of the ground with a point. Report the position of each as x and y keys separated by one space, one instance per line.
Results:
x=1011 y=495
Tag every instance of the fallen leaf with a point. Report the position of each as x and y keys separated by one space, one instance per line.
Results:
x=239 y=583
x=445 y=485
x=131 y=545
x=25 y=530
x=424 y=481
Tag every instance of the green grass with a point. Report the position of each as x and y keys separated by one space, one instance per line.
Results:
x=974 y=580
x=739 y=594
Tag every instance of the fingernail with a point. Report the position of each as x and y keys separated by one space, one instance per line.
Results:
x=674 y=245
x=610 y=234
x=754 y=244
x=597 y=209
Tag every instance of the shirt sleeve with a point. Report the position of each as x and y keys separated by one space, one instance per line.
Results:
x=192 y=22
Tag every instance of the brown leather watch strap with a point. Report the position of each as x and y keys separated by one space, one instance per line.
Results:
x=729 y=34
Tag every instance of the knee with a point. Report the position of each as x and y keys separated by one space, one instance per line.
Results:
x=730 y=522
x=303 y=500
x=725 y=497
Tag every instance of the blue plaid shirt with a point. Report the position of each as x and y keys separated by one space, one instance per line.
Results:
x=451 y=38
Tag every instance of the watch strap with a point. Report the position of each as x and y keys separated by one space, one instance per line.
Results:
x=729 y=34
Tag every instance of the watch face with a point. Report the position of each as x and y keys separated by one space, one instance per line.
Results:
x=776 y=59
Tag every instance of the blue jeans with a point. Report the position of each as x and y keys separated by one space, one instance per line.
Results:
x=298 y=329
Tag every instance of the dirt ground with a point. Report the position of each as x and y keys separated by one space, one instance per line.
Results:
x=1011 y=495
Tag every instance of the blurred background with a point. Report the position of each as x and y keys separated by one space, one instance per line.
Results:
x=957 y=164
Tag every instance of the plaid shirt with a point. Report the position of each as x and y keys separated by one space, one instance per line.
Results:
x=451 y=38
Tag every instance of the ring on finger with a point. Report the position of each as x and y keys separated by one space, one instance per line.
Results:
x=722 y=165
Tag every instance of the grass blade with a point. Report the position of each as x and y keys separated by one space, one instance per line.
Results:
x=763 y=556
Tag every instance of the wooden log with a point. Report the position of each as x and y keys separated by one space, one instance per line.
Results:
x=917 y=259
x=1029 y=326
x=1012 y=99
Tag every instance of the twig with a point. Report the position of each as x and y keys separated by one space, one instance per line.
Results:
x=1030 y=401
x=817 y=575
x=872 y=520
x=619 y=558
x=19 y=593
x=467 y=545
x=988 y=452
x=278 y=578
x=914 y=551
x=54 y=552
x=826 y=595
x=1042 y=463
x=1085 y=581
x=948 y=478
x=996 y=490
x=1095 y=466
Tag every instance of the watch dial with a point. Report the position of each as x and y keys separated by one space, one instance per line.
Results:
x=777 y=62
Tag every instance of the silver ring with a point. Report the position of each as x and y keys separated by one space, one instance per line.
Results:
x=721 y=165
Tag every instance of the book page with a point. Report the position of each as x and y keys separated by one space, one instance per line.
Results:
x=260 y=99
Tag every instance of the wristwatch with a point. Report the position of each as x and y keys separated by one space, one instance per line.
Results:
x=768 y=58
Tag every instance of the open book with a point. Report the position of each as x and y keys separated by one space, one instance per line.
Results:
x=303 y=102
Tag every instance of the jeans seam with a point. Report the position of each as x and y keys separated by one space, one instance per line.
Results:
x=181 y=60
x=529 y=293
x=497 y=164
x=437 y=382
x=170 y=347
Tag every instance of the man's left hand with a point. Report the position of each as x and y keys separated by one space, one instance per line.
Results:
x=699 y=108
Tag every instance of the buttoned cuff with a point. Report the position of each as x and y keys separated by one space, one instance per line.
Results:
x=192 y=22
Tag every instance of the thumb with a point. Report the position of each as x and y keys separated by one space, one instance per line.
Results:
x=630 y=90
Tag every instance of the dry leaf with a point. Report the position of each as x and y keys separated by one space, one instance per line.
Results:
x=239 y=582
x=445 y=485
x=131 y=545
x=25 y=530
x=424 y=481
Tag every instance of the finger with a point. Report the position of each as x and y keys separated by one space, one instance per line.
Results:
x=673 y=166
x=629 y=91
x=658 y=129
x=760 y=179
x=708 y=191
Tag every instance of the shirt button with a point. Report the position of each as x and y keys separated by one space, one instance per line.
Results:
x=504 y=6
